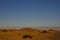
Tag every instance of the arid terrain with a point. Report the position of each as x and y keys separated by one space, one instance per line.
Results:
x=29 y=34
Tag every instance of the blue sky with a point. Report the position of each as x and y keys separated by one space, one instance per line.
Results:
x=25 y=13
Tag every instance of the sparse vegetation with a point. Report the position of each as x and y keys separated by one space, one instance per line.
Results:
x=44 y=31
x=28 y=34
x=4 y=30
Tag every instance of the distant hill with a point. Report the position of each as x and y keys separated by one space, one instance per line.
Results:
x=45 y=28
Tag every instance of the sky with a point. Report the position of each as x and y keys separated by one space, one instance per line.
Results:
x=29 y=13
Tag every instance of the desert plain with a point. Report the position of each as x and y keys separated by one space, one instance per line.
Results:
x=29 y=34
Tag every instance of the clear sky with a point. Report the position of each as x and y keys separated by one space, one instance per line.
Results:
x=25 y=13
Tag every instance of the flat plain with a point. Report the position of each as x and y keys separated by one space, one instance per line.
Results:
x=29 y=34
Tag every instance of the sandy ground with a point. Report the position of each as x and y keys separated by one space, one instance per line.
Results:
x=29 y=34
